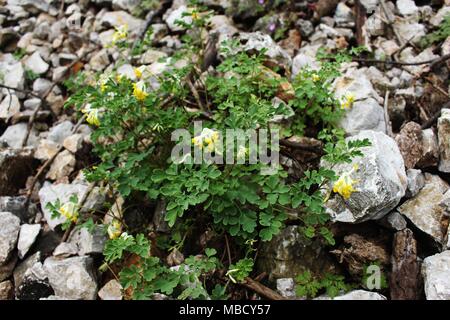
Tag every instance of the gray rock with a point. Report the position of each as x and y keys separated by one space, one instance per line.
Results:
x=424 y=210
x=381 y=181
x=16 y=205
x=364 y=115
x=355 y=81
x=356 y=295
x=436 y=274
x=41 y=86
x=444 y=140
x=290 y=253
x=27 y=236
x=65 y=250
x=63 y=192
x=159 y=216
x=36 y=64
x=15 y=134
x=87 y=242
x=440 y=15
x=72 y=278
x=305 y=26
x=60 y=132
x=6 y=290
x=286 y=287
x=111 y=291
x=394 y=221
x=445 y=204
x=256 y=41
x=100 y=60
x=370 y=5
x=222 y=25
x=9 y=106
x=34 y=6
x=9 y=233
x=416 y=181
x=31 y=104
x=62 y=166
x=30 y=279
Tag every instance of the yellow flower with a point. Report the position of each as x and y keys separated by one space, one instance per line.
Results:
x=344 y=186
x=315 y=77
x=139 y=71
x=115 y=229
x=120 y=33
x=139 y=91
x=347 y=101
x=208 y=138
x=194 y=15
x=119 y=77
x=70 y=211
x=92 y=115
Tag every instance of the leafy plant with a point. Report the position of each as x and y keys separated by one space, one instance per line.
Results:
x=310 y=286
x=439 y=35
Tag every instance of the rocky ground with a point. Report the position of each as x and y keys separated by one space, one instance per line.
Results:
x=399 y=219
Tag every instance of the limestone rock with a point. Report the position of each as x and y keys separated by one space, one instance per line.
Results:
x=9 y=233
x=436 y=274
x=111 y=291
x=364 y=115
x=381 y=181
x=36 y=64
x=62 y=166
x=27 y=236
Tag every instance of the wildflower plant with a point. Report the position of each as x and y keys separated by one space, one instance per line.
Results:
x=133 y=122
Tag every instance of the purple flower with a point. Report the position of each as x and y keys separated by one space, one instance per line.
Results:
x=261 y=2
x=272 y=27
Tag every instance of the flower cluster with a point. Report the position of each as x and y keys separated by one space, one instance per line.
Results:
x=347 y=101
x=140 y=90
x=121 y=33
x=208 y=138
x=92 y=115
x=115 y=229
x=70 y=211
x=345 y=184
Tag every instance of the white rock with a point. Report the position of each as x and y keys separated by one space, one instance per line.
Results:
x=172 y=15
x=72 y=278
x=424 y=210
x=13 y=75
x=36 y=64
x=356 y=82
x=364 y=115
x=356 y=295
x=286 y=287
x=436 y=274
x=408 y=56
x=127 y=70
x=306 y=58
x=120 y=18
x=32 y=5
x=370 y=5
x=407 y=7
x=129 y=5
x=111 y=291
x=62 y=166
x=60 y=132
x=381 y=181
x=444 y=140
x=15 y=134
x=27 y=236
x=222 y=25
x=407 y=30
x=46 y=149
x=100 y=60
x=440 y=15
x=394 y=221
x=63 y=192
x=343 y=16
x=9 y=232
x=74 y=142
x=9 y=106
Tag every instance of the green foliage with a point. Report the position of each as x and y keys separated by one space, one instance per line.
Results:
x=439 y=35
x=30 y=75
x=19 y=53
x=240 y=270
x=150 y=275
x=132 y=139
x=307 y=285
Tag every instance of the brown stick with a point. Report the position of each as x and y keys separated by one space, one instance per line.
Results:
x=361 y=17
x=262 y=290
x=298 y=145
x=386 y=115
